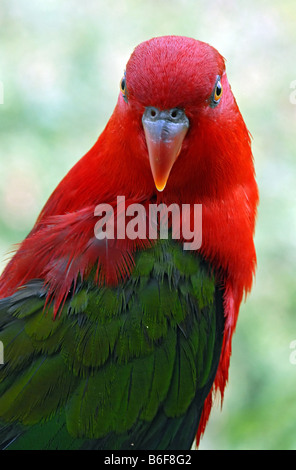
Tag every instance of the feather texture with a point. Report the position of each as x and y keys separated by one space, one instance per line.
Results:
x=113 y=363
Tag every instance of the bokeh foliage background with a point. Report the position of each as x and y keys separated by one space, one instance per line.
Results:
x=60 y=66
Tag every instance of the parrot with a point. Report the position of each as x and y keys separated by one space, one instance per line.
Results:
x=117 y=342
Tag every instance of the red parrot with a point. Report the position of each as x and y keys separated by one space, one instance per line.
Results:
x=120 y=342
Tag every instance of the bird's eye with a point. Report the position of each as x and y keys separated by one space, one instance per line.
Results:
x=218 y=91
x=123 y=87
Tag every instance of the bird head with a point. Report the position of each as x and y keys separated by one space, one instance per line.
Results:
x=182 y=117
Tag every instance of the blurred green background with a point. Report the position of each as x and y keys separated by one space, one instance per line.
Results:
x=60 y=65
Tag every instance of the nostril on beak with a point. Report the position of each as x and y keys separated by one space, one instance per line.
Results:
x=153 y=112
x=174 y=113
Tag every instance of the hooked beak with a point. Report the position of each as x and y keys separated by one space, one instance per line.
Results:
x=164 y=132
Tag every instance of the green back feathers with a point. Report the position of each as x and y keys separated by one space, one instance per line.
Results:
x=116 y=358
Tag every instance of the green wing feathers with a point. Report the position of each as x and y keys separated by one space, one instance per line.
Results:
x=120 y=367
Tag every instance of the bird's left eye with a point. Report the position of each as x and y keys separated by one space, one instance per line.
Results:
x=218 y=91
x=123 y=87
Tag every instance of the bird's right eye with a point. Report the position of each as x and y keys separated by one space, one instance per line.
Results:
x=217 y=92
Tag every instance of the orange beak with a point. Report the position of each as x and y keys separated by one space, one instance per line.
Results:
x=164 y=132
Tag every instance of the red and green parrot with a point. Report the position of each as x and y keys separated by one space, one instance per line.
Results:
x=122 y=343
